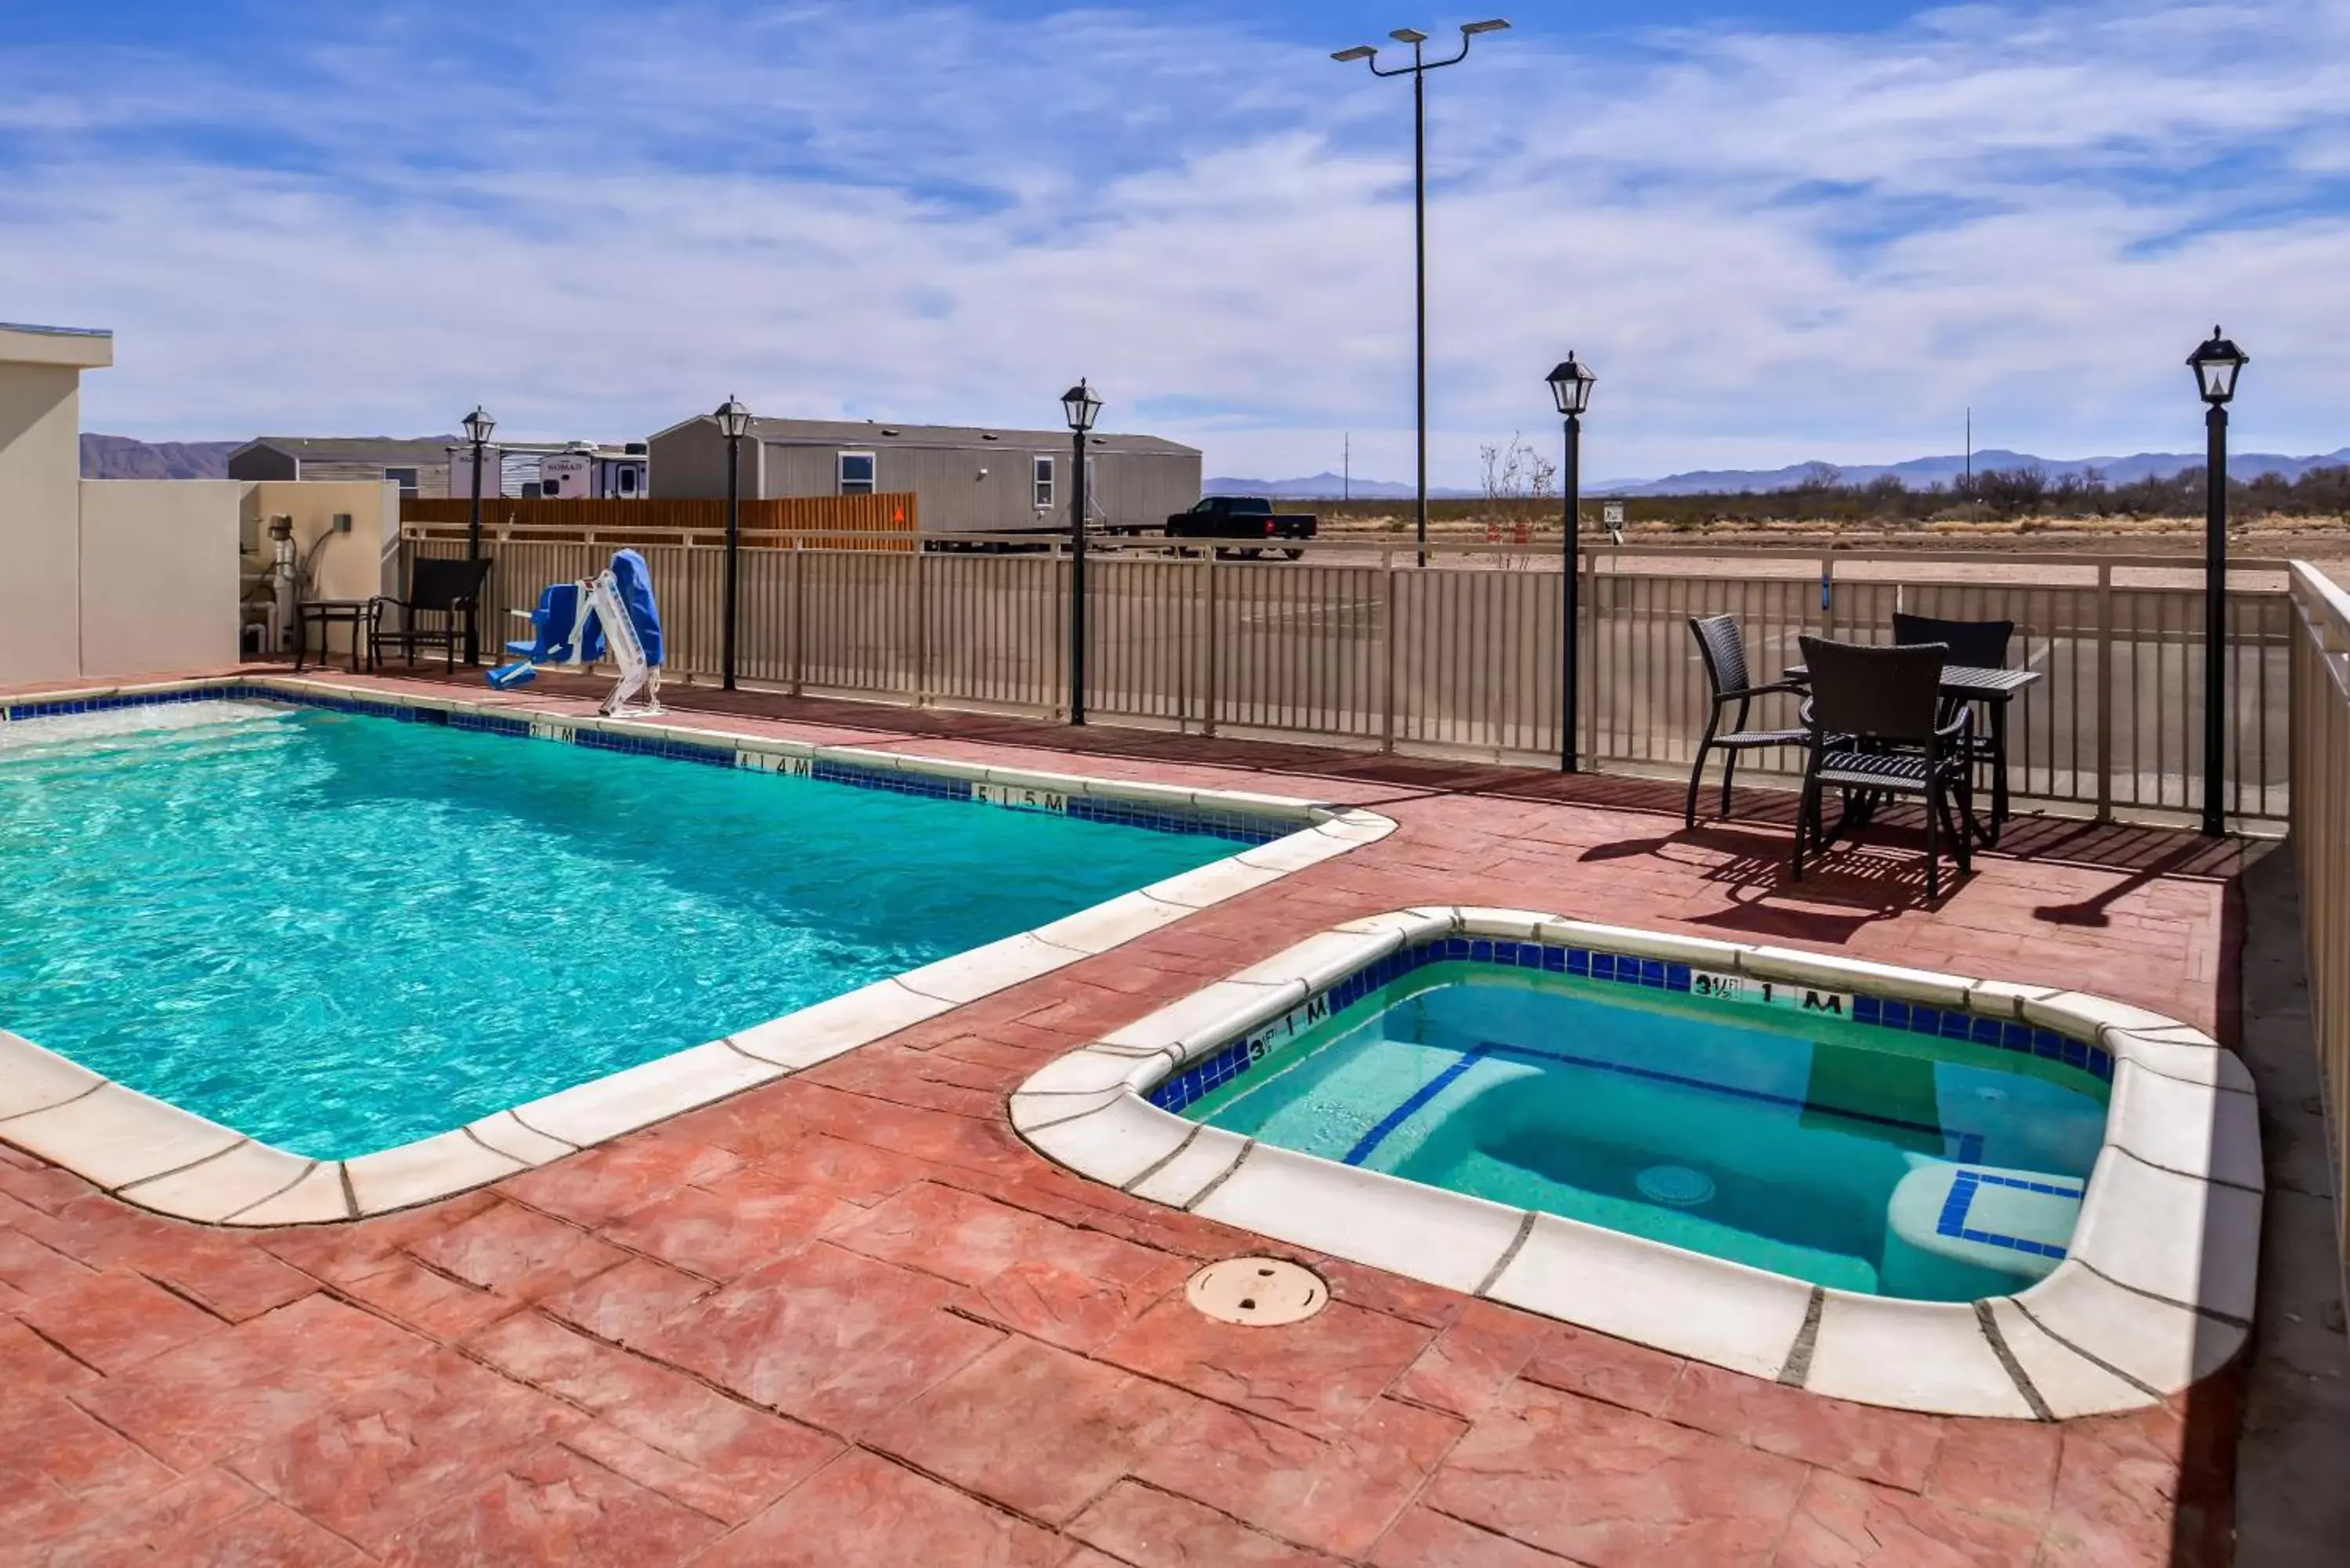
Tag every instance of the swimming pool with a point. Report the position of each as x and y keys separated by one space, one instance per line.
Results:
x=1810 y=1145
x=335 y=925
x=1893 y=1185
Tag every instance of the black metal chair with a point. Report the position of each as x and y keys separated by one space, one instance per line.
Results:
x=1876 y=728
x=1723 y=652
x=448 y=590
x=1974 y=645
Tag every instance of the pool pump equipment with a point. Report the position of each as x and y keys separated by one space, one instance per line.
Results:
x=610 y=618
x=285 y=586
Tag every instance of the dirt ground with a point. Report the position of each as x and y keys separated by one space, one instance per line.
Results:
x=1349 y=535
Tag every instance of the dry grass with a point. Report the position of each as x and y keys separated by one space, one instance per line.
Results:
x=1468 y=522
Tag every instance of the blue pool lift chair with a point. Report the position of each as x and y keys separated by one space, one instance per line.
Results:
x=610 y=618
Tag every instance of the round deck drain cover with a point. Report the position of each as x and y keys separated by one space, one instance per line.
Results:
x=1260 y=1291
x=1676 y=1186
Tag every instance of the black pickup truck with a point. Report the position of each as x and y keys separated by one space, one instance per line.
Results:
x=1248 y=521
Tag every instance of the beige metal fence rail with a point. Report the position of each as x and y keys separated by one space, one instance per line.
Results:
x=2321 y=835
x=1353 y=645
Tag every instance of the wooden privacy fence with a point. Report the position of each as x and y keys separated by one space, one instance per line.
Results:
x=884 y=521
x=2321 y=840
x=1463 y=659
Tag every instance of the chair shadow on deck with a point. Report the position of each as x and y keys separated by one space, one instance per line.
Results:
x=1856 y=888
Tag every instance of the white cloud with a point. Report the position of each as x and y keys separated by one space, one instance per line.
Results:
x=1774 y=247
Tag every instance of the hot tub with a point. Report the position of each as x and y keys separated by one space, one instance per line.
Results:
x=1911 y=1189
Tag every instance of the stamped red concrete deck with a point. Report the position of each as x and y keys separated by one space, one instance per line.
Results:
x=849 y=1319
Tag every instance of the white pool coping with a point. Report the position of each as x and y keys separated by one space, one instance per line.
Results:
x=2154 y=1293
x=162 y=1158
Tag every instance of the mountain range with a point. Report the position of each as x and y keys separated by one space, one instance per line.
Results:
x=1328 y=486
x=1917 y=473
x=122 y=457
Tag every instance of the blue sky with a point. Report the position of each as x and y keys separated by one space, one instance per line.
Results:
x=1780 y=229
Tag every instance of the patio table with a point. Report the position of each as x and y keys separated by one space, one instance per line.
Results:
x=359 y=615
x=1995 y=689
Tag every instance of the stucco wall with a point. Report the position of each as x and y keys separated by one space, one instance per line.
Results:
x=158 y=575
x=353 y=566
x=40 y=475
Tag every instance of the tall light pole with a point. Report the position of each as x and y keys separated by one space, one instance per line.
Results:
x=1082 y=408
x=1418 y=70
x=1570 y=387
x=733 y=422
x=2216 y=364
x=478 y=426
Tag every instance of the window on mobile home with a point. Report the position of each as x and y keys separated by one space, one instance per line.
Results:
x=1045 y=468
x=856 y=473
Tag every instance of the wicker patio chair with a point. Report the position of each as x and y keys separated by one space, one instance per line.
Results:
x=1723 y=651
x=1877 y=728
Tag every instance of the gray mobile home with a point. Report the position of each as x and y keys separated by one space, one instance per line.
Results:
x=419 y=467
x=433 y=467
x=965 y=478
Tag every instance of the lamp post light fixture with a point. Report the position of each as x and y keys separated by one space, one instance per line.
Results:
x=1570 y=387
x=478 y=426
x=2216 y=363
x=734 y=423
x=1418 y=70
x=1081 y=407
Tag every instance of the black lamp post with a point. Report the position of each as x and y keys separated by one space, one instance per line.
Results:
x=1082 y=408
x=1570 y=387
x=734 y=421
x=1418 y=70
x=2216 y=364
x=478 y=426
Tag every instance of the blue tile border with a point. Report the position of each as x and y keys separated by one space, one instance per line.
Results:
x=1238 y=827
x=1952 y=1220
x=1199 y=1079
x=1411 y=1104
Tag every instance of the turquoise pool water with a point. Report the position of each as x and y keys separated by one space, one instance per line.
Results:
x=337 y=933
x=1749 y=1133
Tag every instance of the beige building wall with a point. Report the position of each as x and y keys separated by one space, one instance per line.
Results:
x=106 y=578
x=158 y=575
x=358 y=565
x=40 y=499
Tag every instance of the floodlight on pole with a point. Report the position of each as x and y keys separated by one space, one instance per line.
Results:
x=1418 y=70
